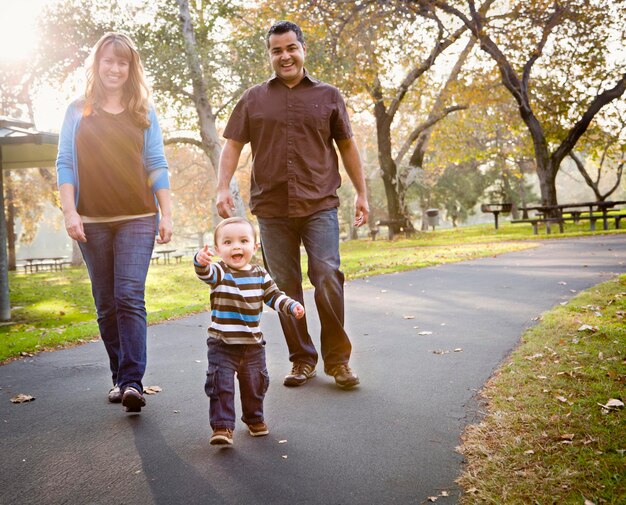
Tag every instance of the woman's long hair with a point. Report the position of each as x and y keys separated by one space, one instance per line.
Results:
x=136 y=91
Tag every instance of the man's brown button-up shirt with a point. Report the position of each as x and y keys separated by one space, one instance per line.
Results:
x=295 y=170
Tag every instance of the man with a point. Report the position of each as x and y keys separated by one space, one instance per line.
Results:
x=291 y=121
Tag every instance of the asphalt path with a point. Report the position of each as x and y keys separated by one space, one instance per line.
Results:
x=392 y=440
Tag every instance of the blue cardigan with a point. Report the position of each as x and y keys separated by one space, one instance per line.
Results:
x=153 y=153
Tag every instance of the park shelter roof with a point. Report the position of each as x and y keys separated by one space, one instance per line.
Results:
x=22 y=146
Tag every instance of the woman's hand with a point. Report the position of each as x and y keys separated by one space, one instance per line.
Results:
x=74 y=226
x=165 y=230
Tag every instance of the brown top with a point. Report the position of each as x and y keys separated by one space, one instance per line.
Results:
x=113 y=180
x=295 y=170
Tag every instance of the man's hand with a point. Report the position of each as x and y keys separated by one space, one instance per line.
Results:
x=362 y=211
x=298 y=311
x=224 y=203
x=203 y=256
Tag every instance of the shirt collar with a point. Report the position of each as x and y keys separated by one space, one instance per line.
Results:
x=305 y=77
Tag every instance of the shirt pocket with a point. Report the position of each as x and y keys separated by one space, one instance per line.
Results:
x=318 y=116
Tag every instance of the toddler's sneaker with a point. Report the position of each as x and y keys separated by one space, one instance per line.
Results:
x=258 y=429
x=115 y=394
x=222 y=436
x=133 y=400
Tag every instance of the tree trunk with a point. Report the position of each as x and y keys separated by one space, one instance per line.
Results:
x=206 y=119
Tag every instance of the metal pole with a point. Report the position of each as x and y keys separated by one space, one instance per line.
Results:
x=5 y=301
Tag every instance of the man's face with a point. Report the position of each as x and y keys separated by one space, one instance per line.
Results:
x=287 y=57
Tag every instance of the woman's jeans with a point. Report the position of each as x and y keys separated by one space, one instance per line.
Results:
x=118 y=255
x=248 y=361
x=319 y=233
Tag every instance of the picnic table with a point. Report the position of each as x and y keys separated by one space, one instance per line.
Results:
x=33 y=265
x=575 y=212
x=165 y=253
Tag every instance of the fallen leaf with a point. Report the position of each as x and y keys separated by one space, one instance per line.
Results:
x=424 y=332
x=567 y=436
x=383 y=290
x=529 y=451
x=562 y=399
x=432 y=498
x=613 y=404
x=458 y=349
x=444 y=493
x=22 y=398
x=534 y=356
x=588 y=327
x=282 y=441
x=472 y=490
x=589 y=502
x=409 y=317
x=563 y=283
x=440 y=351
x=151 y=390
x=284 y=456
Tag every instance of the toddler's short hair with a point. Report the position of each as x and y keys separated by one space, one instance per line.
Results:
x=231 y=220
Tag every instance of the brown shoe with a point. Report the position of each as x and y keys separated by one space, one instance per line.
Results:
x=344 y=377
x=258 y=429
x=133 y=400
x=222 y=436
x=300 y=373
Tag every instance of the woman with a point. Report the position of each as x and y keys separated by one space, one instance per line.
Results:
x=112 y=174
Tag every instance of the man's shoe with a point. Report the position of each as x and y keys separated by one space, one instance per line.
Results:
x=258 y=429
x=133 y=400
x=344 y=377
x=115 y=394
x=300 y=373
x=222 y=436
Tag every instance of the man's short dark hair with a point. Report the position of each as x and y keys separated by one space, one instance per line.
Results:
x=281 y=27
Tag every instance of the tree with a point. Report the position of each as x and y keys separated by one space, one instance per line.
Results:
x=459 y=189
x=573 y=36
x=607 y=152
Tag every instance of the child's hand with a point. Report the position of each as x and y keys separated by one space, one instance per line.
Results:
x=298 y=311
x=203 y=256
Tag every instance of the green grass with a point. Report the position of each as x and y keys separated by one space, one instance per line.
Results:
x=54 y=309
x=545 y=438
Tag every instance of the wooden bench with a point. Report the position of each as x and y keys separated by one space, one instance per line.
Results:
x=535 y=222
x=178 y=257
x=154 y=259
x=576 y=217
